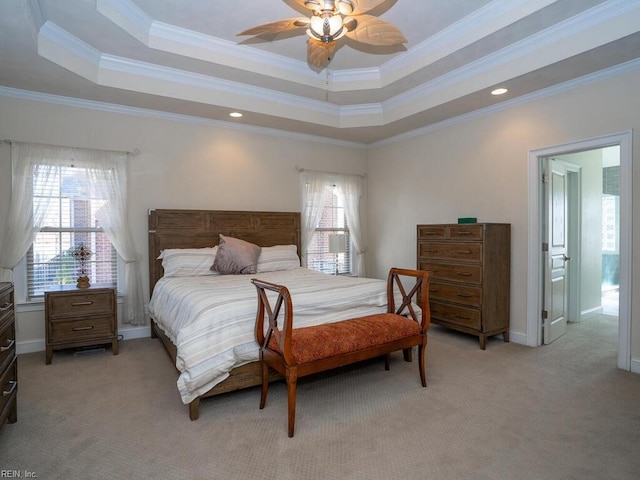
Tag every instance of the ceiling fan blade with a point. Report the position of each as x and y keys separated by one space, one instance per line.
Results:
x=310 y=5
x=363 y=6
x=374 y=31
x=319 y=54
x=277 y=27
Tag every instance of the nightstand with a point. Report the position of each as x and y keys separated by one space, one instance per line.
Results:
x=80 y=317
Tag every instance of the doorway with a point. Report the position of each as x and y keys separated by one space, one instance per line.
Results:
x=535 y=291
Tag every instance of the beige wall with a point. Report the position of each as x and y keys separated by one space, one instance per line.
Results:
x=180 y=165
x=479 y=168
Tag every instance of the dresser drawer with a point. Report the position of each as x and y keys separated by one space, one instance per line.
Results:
x=465 y=232
x=6 y=307
x=453 y=272
x=432 y=232
x=467 y=317
x=469 y=295
x=462 y=252
x=7 y=345
x=80 y=329
x=79 y=304
x=8 y=385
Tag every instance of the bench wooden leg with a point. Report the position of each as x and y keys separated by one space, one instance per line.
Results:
x=292 y=383
x=265 y=384
x=387 y=361
x=421 y=350
x=407 y=353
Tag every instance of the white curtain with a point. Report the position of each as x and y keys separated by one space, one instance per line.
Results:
x=23 y=220
x=107 y=179
x=314 y=195
x=350 y=188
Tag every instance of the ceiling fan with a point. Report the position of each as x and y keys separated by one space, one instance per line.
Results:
x=332 y=20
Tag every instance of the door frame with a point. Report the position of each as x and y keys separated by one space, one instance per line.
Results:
x=535 y=236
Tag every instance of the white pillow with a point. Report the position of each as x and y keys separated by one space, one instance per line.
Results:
x=279 y=257
x=188 y=262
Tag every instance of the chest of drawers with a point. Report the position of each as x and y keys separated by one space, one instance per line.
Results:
x=79 y=318
x=8 y=358
x=470 y=276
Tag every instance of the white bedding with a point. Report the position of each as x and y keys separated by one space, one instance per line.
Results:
x=211 y=319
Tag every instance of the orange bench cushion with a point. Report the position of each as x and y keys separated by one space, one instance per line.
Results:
x=309 y=344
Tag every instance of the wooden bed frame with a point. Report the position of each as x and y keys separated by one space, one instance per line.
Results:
x=201 y=228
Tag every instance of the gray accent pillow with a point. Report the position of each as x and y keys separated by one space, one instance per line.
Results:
x=236 y=257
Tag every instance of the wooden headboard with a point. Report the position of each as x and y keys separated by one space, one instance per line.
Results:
x=201 y=228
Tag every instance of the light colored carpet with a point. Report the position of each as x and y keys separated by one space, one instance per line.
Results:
x=562 y=411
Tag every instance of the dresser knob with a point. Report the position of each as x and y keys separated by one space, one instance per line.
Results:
x=79 y=304
x=7 y=346
x=13 y=385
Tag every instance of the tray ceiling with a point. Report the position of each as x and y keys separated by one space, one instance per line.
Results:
x=184 y=58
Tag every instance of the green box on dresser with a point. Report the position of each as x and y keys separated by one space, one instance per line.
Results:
x=8 y=357
x=470 y=284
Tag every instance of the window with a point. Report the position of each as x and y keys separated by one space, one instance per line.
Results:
x=69 y=220
x=332 y=222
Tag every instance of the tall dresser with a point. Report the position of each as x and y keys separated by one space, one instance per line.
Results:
x=470 y=276
x=8 y=358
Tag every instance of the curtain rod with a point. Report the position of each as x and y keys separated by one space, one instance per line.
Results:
x=300 y=169
x=135 y=151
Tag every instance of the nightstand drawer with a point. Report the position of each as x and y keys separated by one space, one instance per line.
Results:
x=7 y=345
x=79 y=304
x=8 y=386
x=80 y=329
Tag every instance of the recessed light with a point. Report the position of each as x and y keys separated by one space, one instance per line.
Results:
x=235 y=114
x=499 y=91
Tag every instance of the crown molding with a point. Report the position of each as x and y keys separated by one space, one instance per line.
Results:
x=173 y=117
x=589 y=79
x=539 y=50
x=484 y=21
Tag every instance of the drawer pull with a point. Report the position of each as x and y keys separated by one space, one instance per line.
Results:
x=433 y=290
x=80 y=304
x=7 y=346
x=464 y=317
x=464 y=232
x=13 y=385
x=463 y=252
x=5 y=307
x=464 y=274
x=431 y=251
x=80 y=329
x=429 y=233
x=464 y=295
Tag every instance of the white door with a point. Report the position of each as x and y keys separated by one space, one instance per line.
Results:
x=556 y=291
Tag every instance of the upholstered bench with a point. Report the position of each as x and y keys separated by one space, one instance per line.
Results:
x=297 y=352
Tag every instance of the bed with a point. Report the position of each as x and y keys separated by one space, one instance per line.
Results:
x=206 y=320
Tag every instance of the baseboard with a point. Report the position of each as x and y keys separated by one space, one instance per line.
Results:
x=591 y=313
x=33 y=346
x=519 y=338
x=635 y=365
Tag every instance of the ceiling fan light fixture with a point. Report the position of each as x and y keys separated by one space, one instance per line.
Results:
x=326 y=28
x=345 y=7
